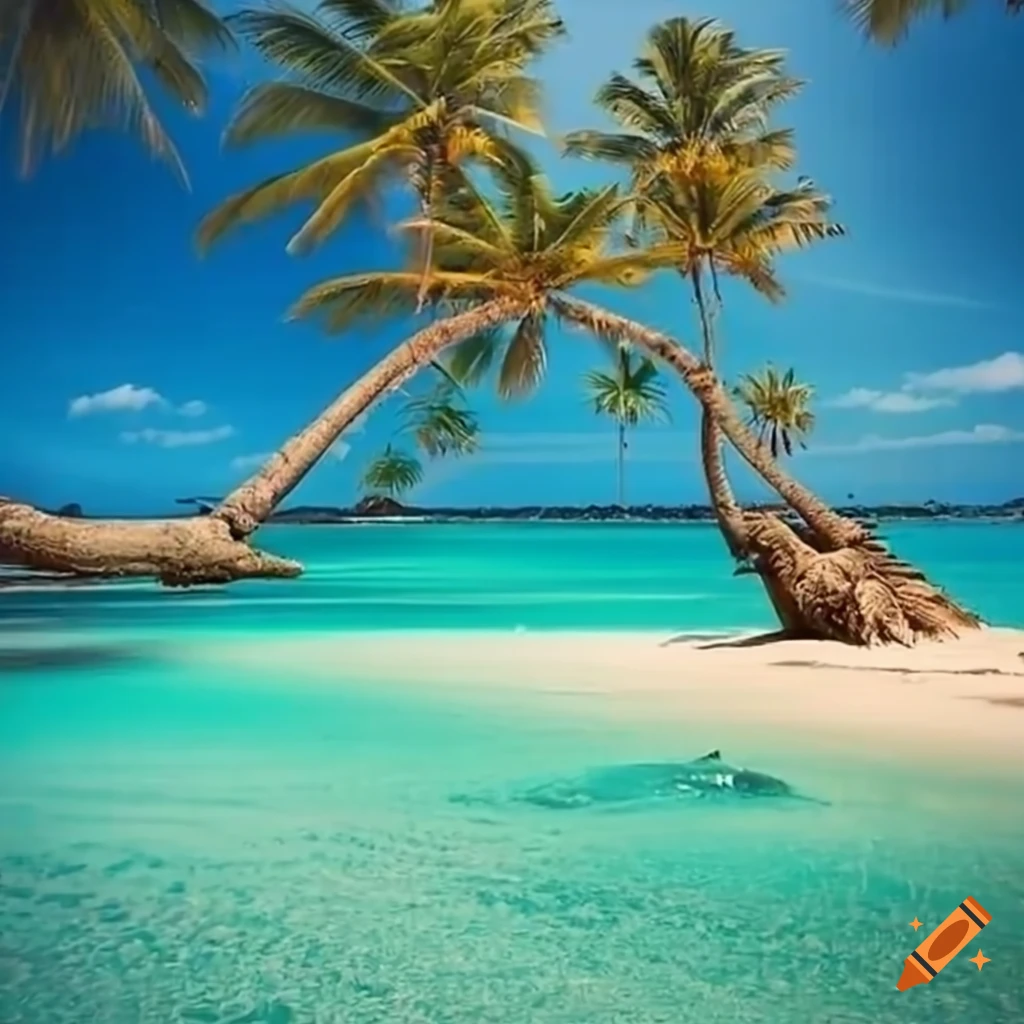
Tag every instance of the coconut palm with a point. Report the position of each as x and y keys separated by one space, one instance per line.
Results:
x=413 y=96
x=888 y=21
x=392 y=473
x=699 y=107
x=74 y=65
x=630 y=394
x=778 y=406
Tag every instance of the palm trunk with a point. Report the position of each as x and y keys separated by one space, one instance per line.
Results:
x=427 y=213
x=214 y=548
x=835 y=530
x=622 y=466
x=854 y=591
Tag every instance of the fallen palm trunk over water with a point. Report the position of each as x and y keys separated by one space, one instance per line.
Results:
x=214 y=548
x=833 y=580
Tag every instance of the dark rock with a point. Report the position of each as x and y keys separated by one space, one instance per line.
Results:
x=70 y=511
x=380 y=505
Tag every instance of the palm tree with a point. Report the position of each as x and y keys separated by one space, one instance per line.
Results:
x=699 y=107
x=888 y=21
x=525 y=248
x=392 y=473
x=74 y=65
x=629 y=395
x=422 y=93
x=696 y=138
x=778 y=406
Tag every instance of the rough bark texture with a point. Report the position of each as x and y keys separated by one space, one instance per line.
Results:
x=248 y=505
x=178 y=552
x=214 y=548
x=842 y=582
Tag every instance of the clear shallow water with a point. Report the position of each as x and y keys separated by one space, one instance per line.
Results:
x=180 y=845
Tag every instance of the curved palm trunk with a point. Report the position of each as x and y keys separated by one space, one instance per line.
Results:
x=851 y=589
x=835 y=530
x=214 y=548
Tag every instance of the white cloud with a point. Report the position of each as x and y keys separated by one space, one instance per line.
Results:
x=125 y=397
x=911 y=295
x=177 y=438
x=1004 y=373
x=983 y=433
x=193 y=408
x=887 y=401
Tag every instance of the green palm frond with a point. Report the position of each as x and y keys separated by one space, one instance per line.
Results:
x=392 y=473
x=778 y=407
x=631 y=393
x=423 y=94
x=281 y=108
x=440 y=422
x=74 y=65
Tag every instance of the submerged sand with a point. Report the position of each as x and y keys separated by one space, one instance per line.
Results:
x=959 y=700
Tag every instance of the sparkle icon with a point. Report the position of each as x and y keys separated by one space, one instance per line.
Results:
x=980 y=960
x=915 y=924
x=953 y=935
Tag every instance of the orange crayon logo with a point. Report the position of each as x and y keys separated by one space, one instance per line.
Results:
x=943 y=944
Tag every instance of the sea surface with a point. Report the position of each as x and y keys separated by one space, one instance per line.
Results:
x=179 y=844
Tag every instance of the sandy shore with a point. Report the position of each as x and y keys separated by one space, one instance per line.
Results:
x=968 y=693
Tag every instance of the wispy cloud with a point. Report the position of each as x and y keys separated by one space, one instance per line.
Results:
x=915 y=296
x=1004 y=373
x=887 y=401
x=177 y=438
x=193 y=409
x=131 y=398
x=123 y=398
x=936 y=388
x=983 y=433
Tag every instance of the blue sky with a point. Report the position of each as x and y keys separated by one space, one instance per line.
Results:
x=136 y=373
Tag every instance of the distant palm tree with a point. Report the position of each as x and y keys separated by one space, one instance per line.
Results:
x=778 y=406
x=392 y=473
x=73 y=64
x=629 y=395
x=887 y=21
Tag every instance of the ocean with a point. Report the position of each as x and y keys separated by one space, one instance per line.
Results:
x=184 y=842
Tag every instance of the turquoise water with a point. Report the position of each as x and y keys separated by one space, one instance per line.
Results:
x=178 y=844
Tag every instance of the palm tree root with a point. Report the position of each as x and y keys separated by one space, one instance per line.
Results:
x=859 y=595
x=178 y=552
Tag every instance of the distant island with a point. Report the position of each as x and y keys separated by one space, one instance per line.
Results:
x=388 y=509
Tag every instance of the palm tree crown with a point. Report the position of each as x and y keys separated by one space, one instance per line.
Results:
x=523 y=244
x=421 y=92
x=73 y=64
x=700 y=105
x=778 y=406
x=630 y=394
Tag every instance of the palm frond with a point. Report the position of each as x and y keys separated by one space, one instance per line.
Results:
x=525 y=358
x=276 y=109
x=393 y=472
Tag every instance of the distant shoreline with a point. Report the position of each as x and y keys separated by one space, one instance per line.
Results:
x=392 y=512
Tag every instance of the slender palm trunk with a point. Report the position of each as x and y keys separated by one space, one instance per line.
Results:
x=214 y=548
x=427 y=213
x=621 y=488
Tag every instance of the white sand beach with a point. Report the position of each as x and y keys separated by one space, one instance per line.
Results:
x=968 y=693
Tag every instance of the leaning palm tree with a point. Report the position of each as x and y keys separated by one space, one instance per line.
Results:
x=629 y=395
x=779 y=408
x=74 y=65
x=412 y=96
x=888 y=21
x=515 y=257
